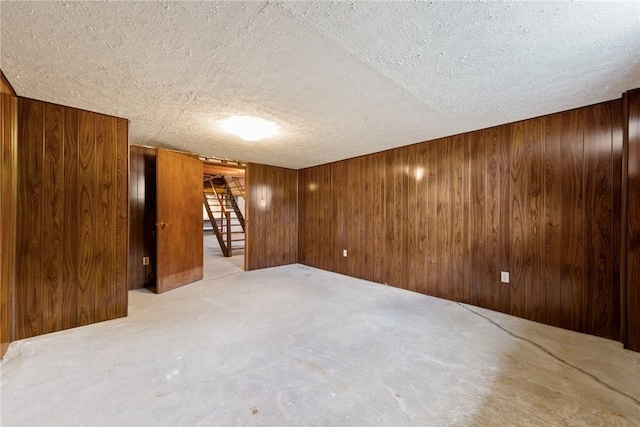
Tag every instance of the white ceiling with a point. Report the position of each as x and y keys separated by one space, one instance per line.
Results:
x=342 y=79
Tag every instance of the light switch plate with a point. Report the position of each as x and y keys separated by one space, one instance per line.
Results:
x=504 y=276
x=344 y=253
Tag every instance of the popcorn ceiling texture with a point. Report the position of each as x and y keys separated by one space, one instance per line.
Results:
x=342 y=79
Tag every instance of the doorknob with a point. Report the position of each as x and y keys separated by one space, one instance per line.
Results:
x=162 y=225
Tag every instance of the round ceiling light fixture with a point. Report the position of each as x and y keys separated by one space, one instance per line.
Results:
x=249 y=128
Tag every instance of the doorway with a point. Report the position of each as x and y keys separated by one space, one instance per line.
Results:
x=166 y=240
x=223 y=213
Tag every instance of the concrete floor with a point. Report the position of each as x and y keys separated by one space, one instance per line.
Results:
x=295 y=345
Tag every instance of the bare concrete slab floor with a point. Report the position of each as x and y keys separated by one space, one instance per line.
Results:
x=299 y=346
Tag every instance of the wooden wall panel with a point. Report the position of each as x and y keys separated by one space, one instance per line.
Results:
x=534 y=293
x=122 y=226
x=518 y=186
x=379 y=215
x=443 y=218
x=271 y=220
x=29 y=253
x=430 y=158
x=421 y=221
x=456 y=211
x=572 y=225
x=315 y=204
x=71 y=211
x=338 y=204
x=105 y=230
x=53 y=218
x=67 y=266
x=88 y=206
x=395 y=214
x=136 y=222
x=5 y=86
x=553 y=250
x=598 y=188
x=632 y=183
x=142 y=216
x=305 y=210
x=617 y=283
x=504 y=221
x=8 y=212
x=411 y=249
x=459 y=288
x=497 y=215
x=480 y=295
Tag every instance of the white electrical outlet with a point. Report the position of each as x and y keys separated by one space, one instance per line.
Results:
x=344 y=253
x=145 y=260
x=504 y=276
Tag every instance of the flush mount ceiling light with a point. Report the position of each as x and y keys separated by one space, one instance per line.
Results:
x=249 y=128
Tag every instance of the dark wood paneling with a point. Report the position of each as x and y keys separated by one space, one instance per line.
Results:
x=553 y=250
x=53 y=218
x=481 y=295
x=633 y=222
x=309 y=217
x=459 y=287
x=598 y=187
x=179 y=206
x=497 y=232
x=429 y=158
x=272 y=235
x=8 y=209
x=534 y=292
x=106 y=128
x=5 y=86
x=136 y=222
x=421 y=220
x=504 y=223
x=518 y=242
x=305 y=217
x=67 y=232
x=395 y=214
x=29 y=272
x=379 y=215
x=412 y=250
x=71 y=215
x=445 y=217
x=338 y=203
x=122 y=208
x=88 y=215
x=572 y=225
x=617 y=137
x=142 y=216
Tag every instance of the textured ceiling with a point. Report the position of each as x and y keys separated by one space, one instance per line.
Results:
x=341 y=79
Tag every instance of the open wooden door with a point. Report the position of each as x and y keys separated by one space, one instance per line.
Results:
x=179 y=228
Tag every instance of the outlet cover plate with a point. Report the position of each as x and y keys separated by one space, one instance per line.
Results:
x=504 y=276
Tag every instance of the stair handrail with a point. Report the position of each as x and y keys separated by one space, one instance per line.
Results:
x=226 y=249
x=222 y=207
x=234 y=205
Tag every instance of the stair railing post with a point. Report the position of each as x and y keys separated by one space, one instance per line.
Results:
x=229 y=250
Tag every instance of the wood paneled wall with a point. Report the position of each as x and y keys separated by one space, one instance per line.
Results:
x=142 y=216
x=8 y=205
x=72 y=218
x=538 y=198
x=632 y=190
x=5 y=86
x=271 y=216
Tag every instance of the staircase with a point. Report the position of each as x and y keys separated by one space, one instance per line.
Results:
x=226 y=219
